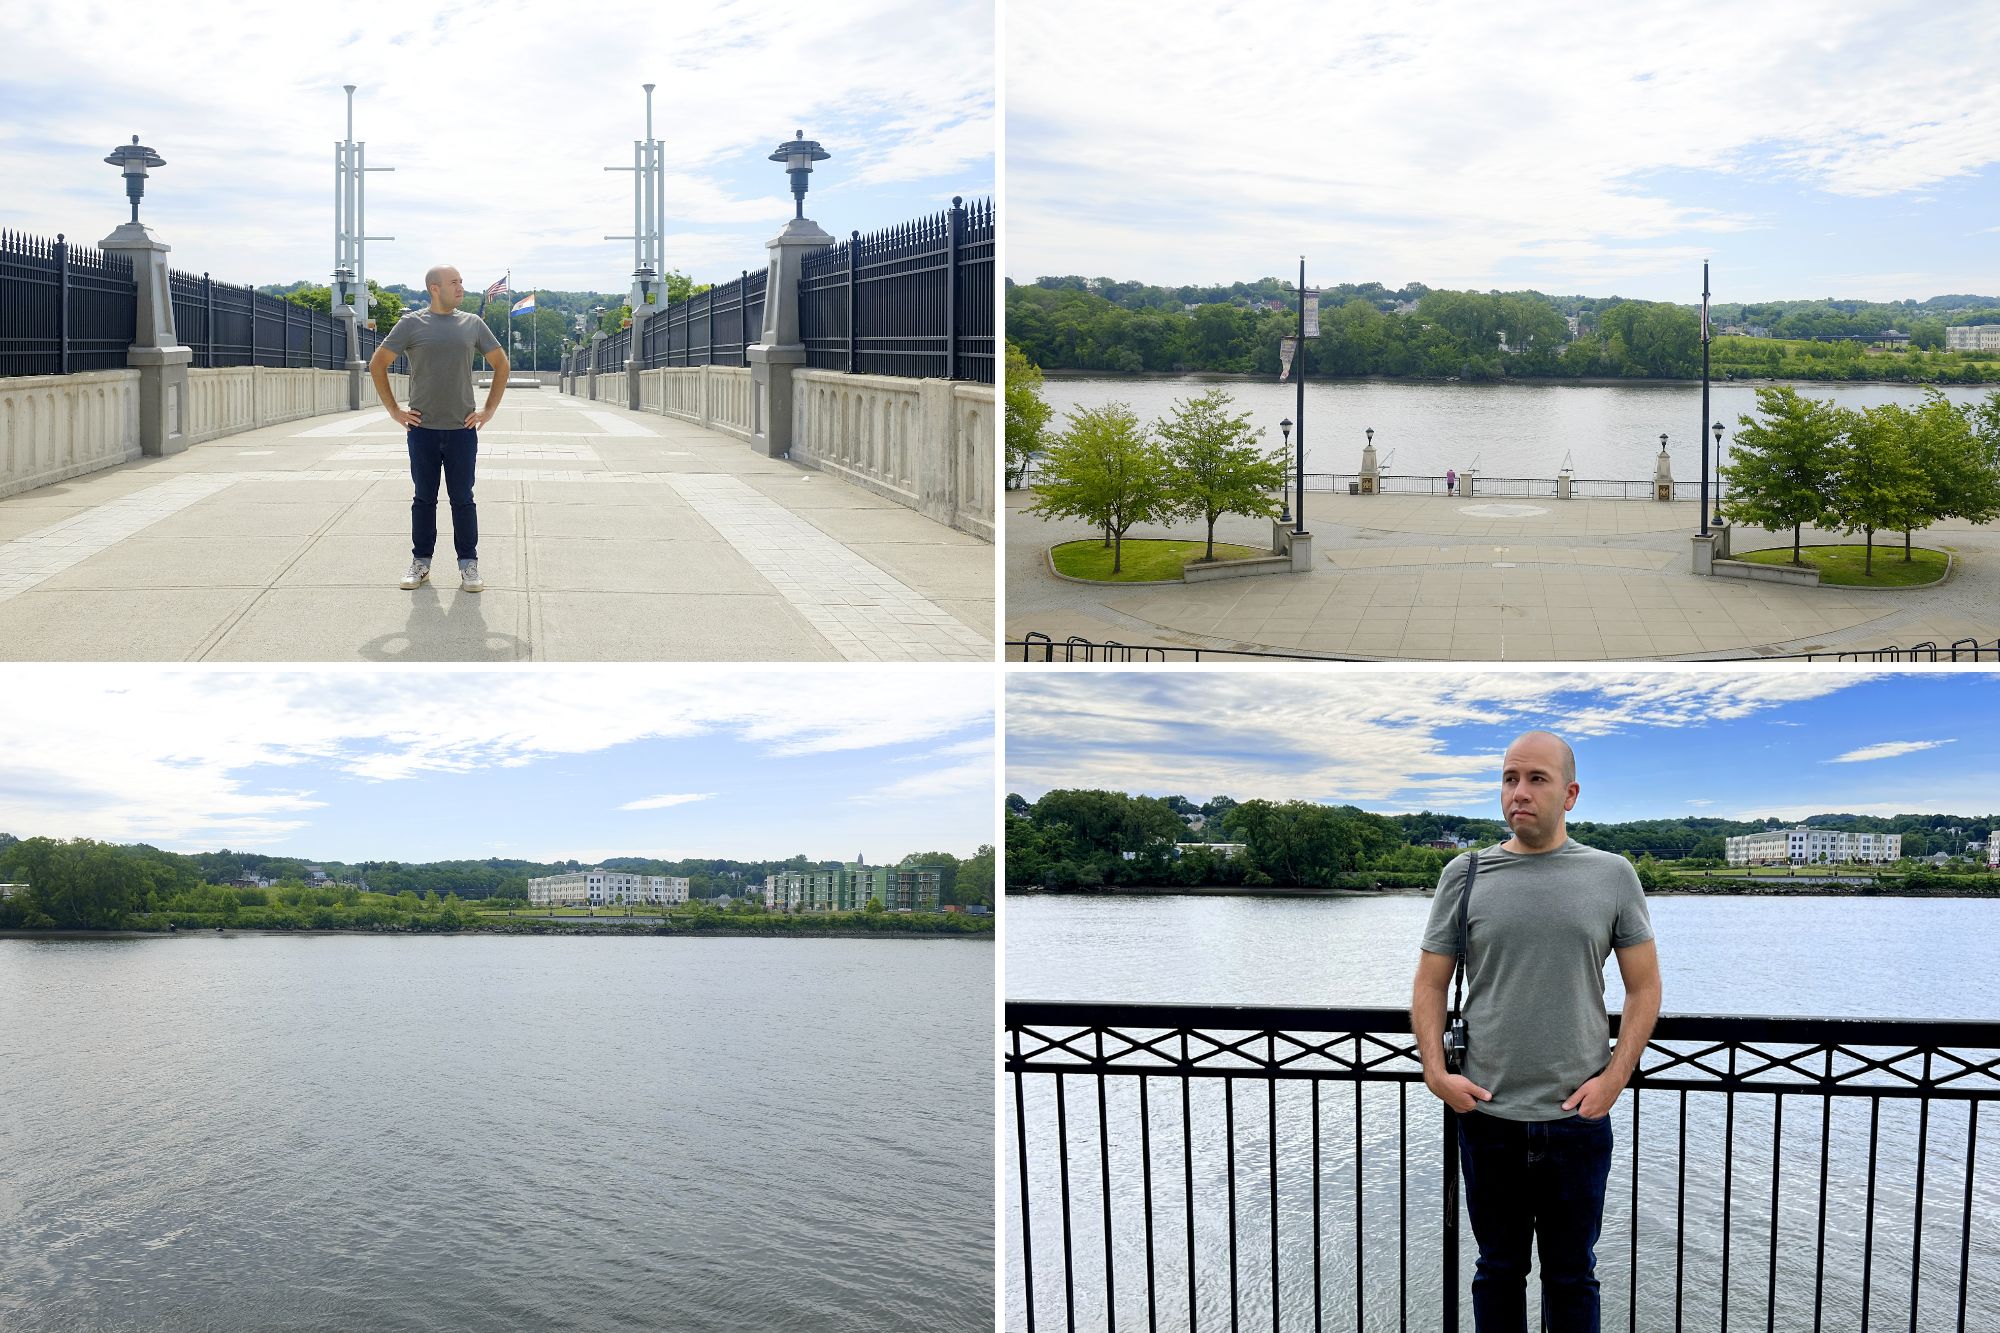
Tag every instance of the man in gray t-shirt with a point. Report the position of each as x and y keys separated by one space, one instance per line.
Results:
x=1534 y=1097
x=440 y=342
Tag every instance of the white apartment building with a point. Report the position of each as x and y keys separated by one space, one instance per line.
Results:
x=1812 y=846
x=1972 y=338
x=606 y=888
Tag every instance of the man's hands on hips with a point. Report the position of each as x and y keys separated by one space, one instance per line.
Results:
x=477 y=419
x=1593 y=1101
x=406 y=416
x=1456 y=1091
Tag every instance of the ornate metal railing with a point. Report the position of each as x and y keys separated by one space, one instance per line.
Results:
x=1196 y=1183
x=1036 y=646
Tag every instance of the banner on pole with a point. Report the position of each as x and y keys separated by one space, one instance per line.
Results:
x=1312 y=314
x=1285 y=352
x=1704 y=316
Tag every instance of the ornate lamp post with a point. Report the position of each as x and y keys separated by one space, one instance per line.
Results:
x=133 y=159
x=1285 y=497
x=1717 y=429
x=798 y=157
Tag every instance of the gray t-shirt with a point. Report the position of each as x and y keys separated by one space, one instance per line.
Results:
x=440 y=348
x=1538 y=931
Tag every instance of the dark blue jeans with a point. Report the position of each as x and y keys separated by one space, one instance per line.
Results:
x=452 y=452
x=1539 y=1183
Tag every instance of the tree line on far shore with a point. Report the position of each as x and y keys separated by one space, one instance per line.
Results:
x=1890 y=468
x=1417 y=332
x=1084 y=839
x=85 y=884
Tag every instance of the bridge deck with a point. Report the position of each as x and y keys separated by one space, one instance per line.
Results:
x=604 y=535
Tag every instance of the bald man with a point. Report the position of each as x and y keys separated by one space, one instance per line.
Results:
x=440 y=342
x=1533 y=1102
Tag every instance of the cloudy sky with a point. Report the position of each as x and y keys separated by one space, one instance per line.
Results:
x=1649 y=744
x=420 y=765
x=499 y=119
x=1809 y=149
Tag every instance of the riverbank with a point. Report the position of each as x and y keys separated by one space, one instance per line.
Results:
x=1803 y=886
x=1577 y=381
x=580 y=926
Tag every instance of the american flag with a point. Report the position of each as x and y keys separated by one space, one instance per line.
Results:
x=497 y=289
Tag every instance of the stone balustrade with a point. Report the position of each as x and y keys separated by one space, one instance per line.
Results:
x=54 y=427
x=927 y=444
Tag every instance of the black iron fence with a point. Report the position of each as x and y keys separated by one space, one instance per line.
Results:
x=63 y=308
x=68 y=308
x=1036 y=646
x=915 y=300
x=1483 y=486
x=1198 y=1166
x=1959 y=650
x=227 y=325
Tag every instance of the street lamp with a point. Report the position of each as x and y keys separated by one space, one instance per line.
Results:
x=133 y=159
x=645 y=278
x=1285 y=498
x=798 y=157
x=1717 y=429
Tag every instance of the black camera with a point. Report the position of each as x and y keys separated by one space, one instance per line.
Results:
x=1454 y=1046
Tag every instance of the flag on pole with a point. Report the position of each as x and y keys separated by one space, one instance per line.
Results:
x=498 y=289
x=524 y=306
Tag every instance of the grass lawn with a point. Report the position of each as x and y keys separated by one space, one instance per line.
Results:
x=1841 y=565
x=1144 y=558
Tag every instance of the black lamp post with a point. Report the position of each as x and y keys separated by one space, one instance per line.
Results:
x=798 y=157
x=1717 y=429
x=1299 y=516
x=1285 y=498
x=133 y=159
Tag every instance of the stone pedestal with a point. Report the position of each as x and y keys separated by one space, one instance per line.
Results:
x=640 y=314
x=1299 y=545
x=357 y=369
x=156 y=352
x=1465 y=488
x=1663 y=476
x=595 y=339
x=780 y=351
x=1371 y=474
x=1704 y=553
x=1565 y=485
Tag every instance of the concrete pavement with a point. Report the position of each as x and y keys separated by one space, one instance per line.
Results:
x=605 y=535
x=1401 y=577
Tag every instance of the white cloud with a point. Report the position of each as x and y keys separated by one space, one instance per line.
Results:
x=1885 y=750
x=1347 y=736
x=952 y=770
x=177 y=756
x=498 y=123
x=664 y=802
x=1449 y=140
x=1700 y=802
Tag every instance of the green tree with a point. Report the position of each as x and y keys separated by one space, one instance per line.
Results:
x=1878 y=482
x=1959 y=459
x=1215 y=466
x=1104 y=470
x=1782 y=462
x=1027 y=414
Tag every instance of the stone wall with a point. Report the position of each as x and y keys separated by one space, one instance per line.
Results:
x=229 y=399
x=54 y=427
x=927 y=444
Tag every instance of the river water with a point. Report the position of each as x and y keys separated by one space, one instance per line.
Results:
x=345 y=1132
x=1607 y=432
x=1884 y=958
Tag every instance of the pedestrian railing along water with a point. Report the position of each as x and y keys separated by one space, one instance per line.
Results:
x=1203 y=1166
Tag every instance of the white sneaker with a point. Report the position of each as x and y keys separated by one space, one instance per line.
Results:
x=420 y=574
x=468 y=576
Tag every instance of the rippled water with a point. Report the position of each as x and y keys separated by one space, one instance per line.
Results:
x=346 y=1132
x=1827 y=957
x=1504 y=430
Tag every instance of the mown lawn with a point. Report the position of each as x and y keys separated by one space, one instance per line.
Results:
x=1841 y=565
x=1144 y=558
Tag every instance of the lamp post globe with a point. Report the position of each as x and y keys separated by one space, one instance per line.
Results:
x=133 y=159
x=798 y=157
x=1716 y=429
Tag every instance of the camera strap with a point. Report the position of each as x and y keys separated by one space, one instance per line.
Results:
x=1458 y=965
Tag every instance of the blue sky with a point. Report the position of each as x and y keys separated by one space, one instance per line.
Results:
x=1807 y=150
x=421 y=765
x=499 y=119
x=1649 y=744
